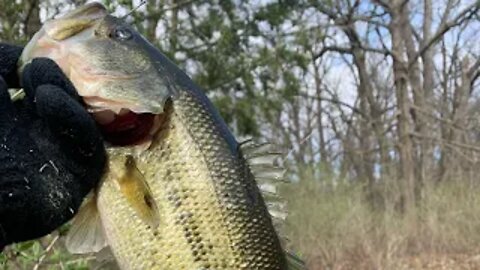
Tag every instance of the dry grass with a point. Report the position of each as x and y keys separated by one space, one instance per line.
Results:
x=335 y=227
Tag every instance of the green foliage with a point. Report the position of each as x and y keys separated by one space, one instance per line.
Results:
x=46 y=253
x=223 y=60
x=275 y=13
x=11 y=15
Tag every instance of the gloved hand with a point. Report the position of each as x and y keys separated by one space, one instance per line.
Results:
x=51 y=152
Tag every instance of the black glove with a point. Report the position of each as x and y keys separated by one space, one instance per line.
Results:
x=51 y=152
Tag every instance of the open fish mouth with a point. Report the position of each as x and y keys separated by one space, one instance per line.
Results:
x=127 y=128
x=124 y=127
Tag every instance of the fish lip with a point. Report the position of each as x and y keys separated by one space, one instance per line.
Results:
x=75 y=22
x=94 y=9
x=152 y=108
x=91 y=12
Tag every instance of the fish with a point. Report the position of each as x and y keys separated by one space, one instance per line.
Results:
x=179 y=192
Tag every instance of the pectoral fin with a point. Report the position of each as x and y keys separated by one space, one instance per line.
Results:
x=137 y=192
x=86 y=234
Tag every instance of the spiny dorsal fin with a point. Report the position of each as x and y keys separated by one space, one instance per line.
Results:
x=250 y=149
x=277 y=209
x=268 y=189
x=294 y=262
x=267 y=172
x=86 y=234
x=261 y=158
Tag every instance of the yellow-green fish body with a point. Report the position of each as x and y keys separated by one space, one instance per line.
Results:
x=183 y=197
x=212 y=215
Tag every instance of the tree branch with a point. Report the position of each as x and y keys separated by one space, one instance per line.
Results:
x=338 y=49
x=447 y=142
x=384 y=4
x=345 y=50
x=466 y=14
x=335 y=101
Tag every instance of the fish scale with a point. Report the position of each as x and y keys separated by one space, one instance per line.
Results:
x=181 y=195
x=248 y=223
x=212 y=215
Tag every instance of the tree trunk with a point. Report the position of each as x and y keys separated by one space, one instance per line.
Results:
x=32 y=18
x=152 y=19
x=400 y=71
x=428 y=87
x=419 y=118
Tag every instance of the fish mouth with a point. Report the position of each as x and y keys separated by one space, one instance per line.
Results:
x=128 y=128
x=123 y=124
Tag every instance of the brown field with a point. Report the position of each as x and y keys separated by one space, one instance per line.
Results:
x=335 y=227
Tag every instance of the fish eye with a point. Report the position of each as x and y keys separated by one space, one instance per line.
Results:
x=122 y=33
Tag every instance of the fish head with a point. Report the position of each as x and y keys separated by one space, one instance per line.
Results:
x=107 y=62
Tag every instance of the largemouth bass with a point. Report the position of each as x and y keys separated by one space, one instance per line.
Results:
x=179 y=192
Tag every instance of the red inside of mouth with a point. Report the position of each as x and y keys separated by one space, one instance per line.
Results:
x=128 y=129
